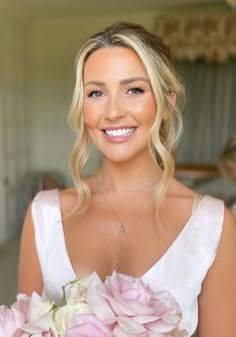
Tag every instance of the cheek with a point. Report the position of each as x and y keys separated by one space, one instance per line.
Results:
x=145 y=111
x=89 y=116
x=87 y=120
x=152 y=110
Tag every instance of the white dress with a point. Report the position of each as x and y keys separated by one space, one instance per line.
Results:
x=180 y=270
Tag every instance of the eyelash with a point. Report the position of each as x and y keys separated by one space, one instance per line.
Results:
x=136 y=90
x=94 y=93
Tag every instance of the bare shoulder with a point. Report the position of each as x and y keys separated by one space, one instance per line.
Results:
x=67 y=193
x=181 y=194
x=226 y=254
x=217 y=301
x=227 y=245
x=180 y=200
x=181 y=190
x=68 y=199
x=229 y=219
x=28 y=259
x=28 y=225
x=228 y=238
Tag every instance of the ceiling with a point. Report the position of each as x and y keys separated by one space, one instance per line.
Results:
x=55 y=8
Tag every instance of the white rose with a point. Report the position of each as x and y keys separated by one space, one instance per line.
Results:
x=64 y=315
x=39 y=309
x=79 y=289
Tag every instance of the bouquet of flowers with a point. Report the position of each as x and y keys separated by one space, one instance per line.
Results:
x=122 y=306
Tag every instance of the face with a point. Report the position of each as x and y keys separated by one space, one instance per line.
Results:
x=230 y=168
x=119 y=107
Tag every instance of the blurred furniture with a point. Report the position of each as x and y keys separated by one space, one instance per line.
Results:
x=36 y=181
x=50 y=181
x=207 y=179
x=196 y=172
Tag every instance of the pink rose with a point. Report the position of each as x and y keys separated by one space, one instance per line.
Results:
x=138 y=309
x=10 y=321
x=27 y=316
x=37 y=313
x=28 y=334
x=34 y=307
x=99 y=304
x=87 y=326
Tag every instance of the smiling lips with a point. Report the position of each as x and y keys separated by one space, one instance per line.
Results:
x=119 y=134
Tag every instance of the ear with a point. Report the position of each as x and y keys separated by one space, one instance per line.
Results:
x=173 y=97
x=172 y=100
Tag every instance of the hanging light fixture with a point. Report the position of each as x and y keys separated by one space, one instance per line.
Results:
x=232 y=3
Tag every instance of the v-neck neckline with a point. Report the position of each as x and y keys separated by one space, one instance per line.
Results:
x=158 y=262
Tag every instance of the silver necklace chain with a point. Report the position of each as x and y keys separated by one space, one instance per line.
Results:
x=122 y=227
x=127 y=191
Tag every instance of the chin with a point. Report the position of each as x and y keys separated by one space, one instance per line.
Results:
x=118 y=158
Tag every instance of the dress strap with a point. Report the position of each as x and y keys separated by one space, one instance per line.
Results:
x=196 y=201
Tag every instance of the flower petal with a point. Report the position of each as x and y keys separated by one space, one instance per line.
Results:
x=130 y=325
x=98 y=304
x=38 y=326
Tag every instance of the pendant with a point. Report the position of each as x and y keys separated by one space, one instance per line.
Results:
x=122 y=229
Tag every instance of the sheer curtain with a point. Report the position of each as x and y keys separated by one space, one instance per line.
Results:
x=210 y=110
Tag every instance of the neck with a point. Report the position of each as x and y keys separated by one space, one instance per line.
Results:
x=128 y=175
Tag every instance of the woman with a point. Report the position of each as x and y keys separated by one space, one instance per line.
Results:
x=228 y=164
x=132 y=216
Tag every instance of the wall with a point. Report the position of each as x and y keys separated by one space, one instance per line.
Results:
x=54 y=44
x=36 y=86
x=14 y=123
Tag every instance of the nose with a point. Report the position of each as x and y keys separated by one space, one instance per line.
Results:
x=114 y=108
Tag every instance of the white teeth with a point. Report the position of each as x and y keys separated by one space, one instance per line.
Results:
x=119 y=132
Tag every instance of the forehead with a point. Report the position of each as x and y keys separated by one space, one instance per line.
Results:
x=120 y=61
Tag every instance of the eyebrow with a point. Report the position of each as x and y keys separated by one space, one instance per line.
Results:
x=133 y=79
x=124 y=81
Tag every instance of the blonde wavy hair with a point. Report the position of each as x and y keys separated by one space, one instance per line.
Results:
x=167 y=128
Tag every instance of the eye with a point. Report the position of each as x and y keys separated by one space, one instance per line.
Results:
x=95 y=93
x=135 y=91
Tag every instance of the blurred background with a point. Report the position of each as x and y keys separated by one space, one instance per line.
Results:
x=39 y=40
